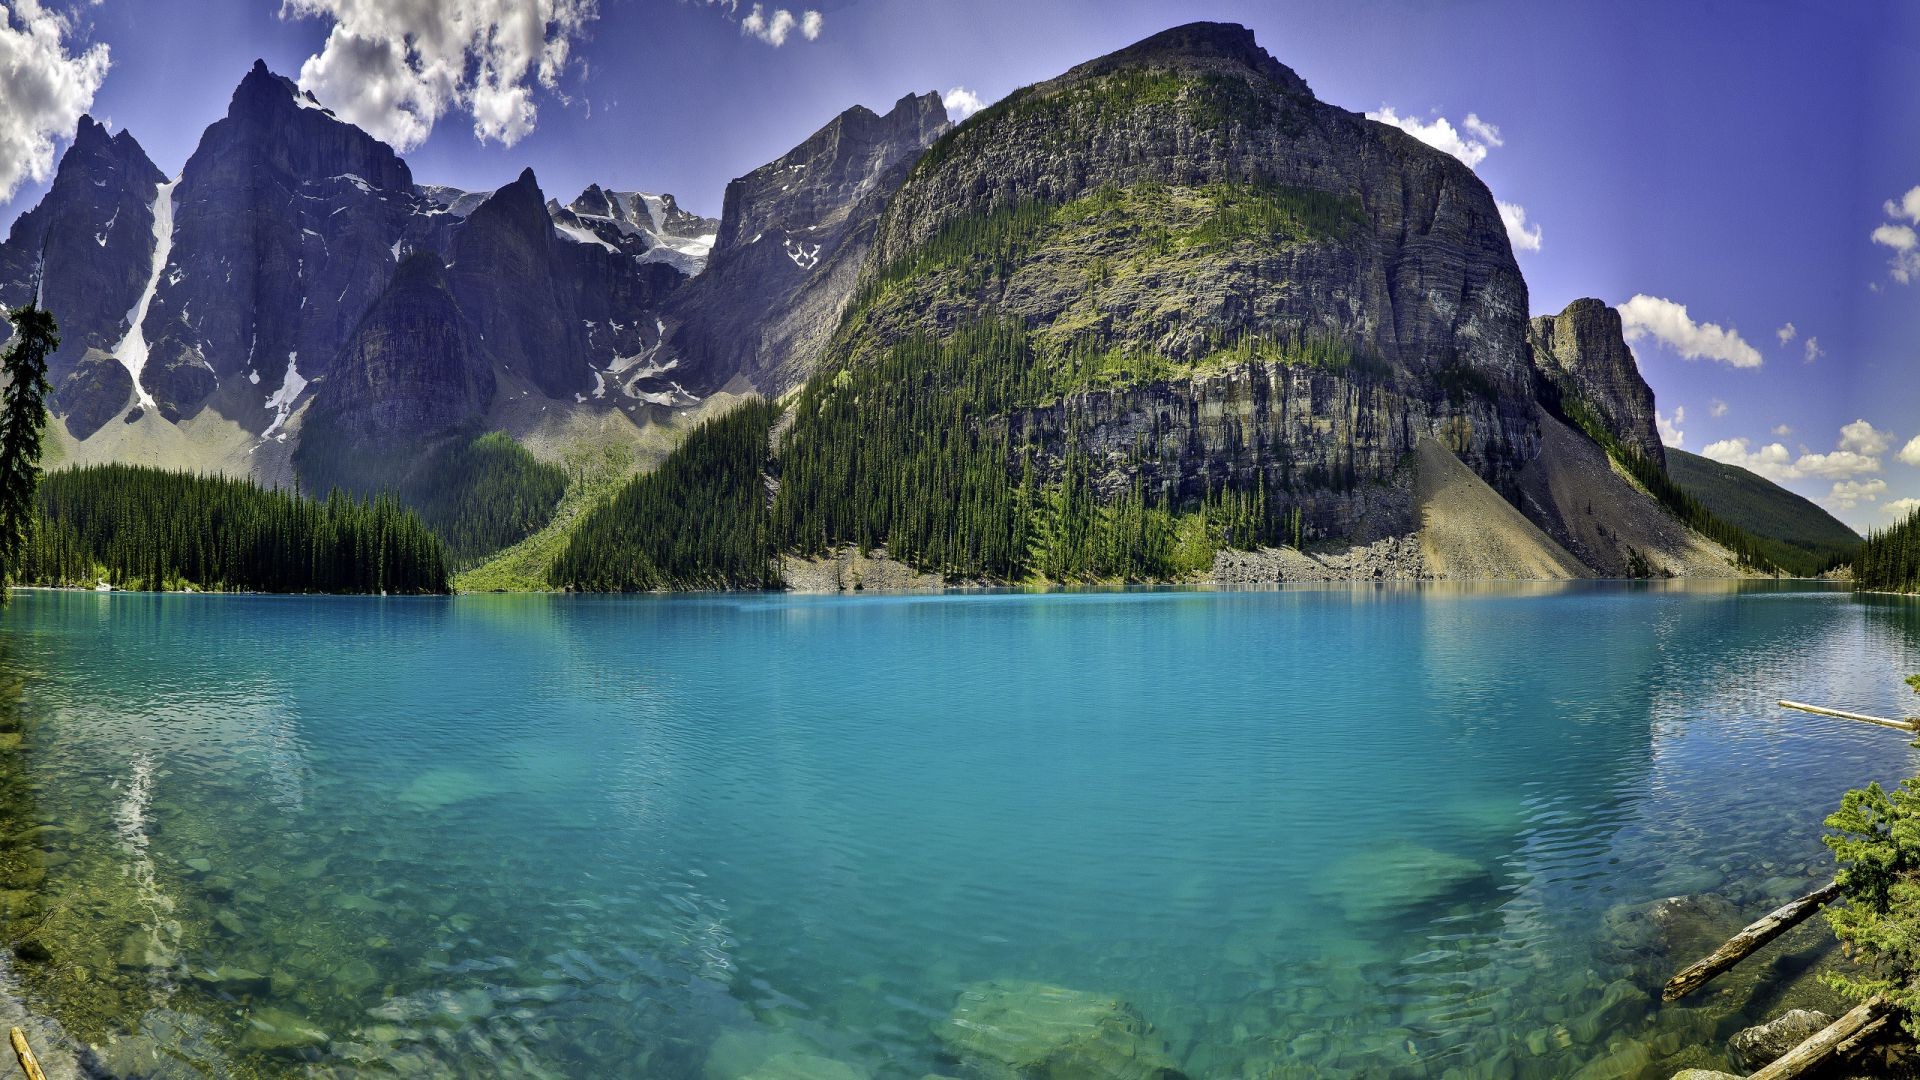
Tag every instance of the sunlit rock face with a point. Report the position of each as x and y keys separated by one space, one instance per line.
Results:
x=1583 y=351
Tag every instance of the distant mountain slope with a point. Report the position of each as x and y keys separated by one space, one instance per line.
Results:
x=1812 y=539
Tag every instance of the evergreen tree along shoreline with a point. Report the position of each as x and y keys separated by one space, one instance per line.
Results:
x=1889 y=561
x=144 y=528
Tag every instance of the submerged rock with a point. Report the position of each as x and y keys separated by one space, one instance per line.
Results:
x=792 y=1066
x=279 y=1031
x=1032 y=1031
x=1399 y=879
x=1676 y=927
x=1758 y=1047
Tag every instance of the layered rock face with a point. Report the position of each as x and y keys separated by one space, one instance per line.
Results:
x=793 y=236
x=1276 y=290
x=411 y=369
x=1584 y=355
x=555 y=309
x=92 y=234
x=281 y=205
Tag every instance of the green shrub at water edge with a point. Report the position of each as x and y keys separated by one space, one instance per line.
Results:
x=1875 y=838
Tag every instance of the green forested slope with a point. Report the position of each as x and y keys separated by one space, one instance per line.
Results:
x=1792 y=531
x=143 y=528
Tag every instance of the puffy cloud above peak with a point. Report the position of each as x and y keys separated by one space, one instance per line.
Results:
x=395 y=67
x=1471 y=142
x=1864 y=438
x=1786 y=333
x=1439 y=133
x=1908 y=206
x=44 y=89
x=1898 y=235
x=961 y=103
x=1668 y=323
x=1856 y=453
x=1848 y=494
x=1669 y=427
x=772 y=25
x=1523 y=236
x=1910 y=453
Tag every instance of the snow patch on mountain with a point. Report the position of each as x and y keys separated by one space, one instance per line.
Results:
x=132 y=349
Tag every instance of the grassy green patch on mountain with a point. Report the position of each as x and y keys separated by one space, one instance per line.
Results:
x=595 y=473
x=1792 y=531
x=1114 y=248
x=144 y=528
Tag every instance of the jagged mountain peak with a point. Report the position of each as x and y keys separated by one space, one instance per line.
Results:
x=1204 y=44
x=262 y=88
x=806 y=188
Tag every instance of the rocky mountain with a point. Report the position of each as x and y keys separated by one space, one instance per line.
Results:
x=1229 y=283
x=1583 y=354
x=793 y=236
x=1170 y=280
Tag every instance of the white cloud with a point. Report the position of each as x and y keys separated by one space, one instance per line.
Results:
x=1786 y=333
x=1849 y=493
x=961 y=103
x=1440 y=134
x=775 y=26
x=1897 y=237
x=1524 y=237
x=1716 y=408
x=1900 y=508
x=1669 y=428
x=1864 y=438
x=1782 y=430
x=1910 y=453
x=1908 y=207
x=1901 y=238
x=1813 y=349
x=395 y=67
x=1471 y=147
x=44 y=89
x=1857 y=452
x=1669 y=324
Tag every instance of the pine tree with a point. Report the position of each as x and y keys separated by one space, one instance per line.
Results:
x=23 y=413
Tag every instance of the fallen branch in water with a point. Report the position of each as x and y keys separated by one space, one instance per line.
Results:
x=28 y=1063
x=1881 y=721
x=1850 y=1031
x=1748 y=941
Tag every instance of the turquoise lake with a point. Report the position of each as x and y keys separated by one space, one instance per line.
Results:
x=1370 y=831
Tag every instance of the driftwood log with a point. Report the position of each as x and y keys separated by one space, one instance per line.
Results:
x=1849 y=1032
x=1747 y=941
x=1880 y=721
x=28 y=1063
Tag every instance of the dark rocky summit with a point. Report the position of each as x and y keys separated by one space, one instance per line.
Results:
x=1582 y=352
x=793 y=236
x=411 y=370
x=86 y=250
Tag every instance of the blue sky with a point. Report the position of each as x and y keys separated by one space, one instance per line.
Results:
x=1731 y=159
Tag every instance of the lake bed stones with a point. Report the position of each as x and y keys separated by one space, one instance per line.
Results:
x=1011 y=1030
